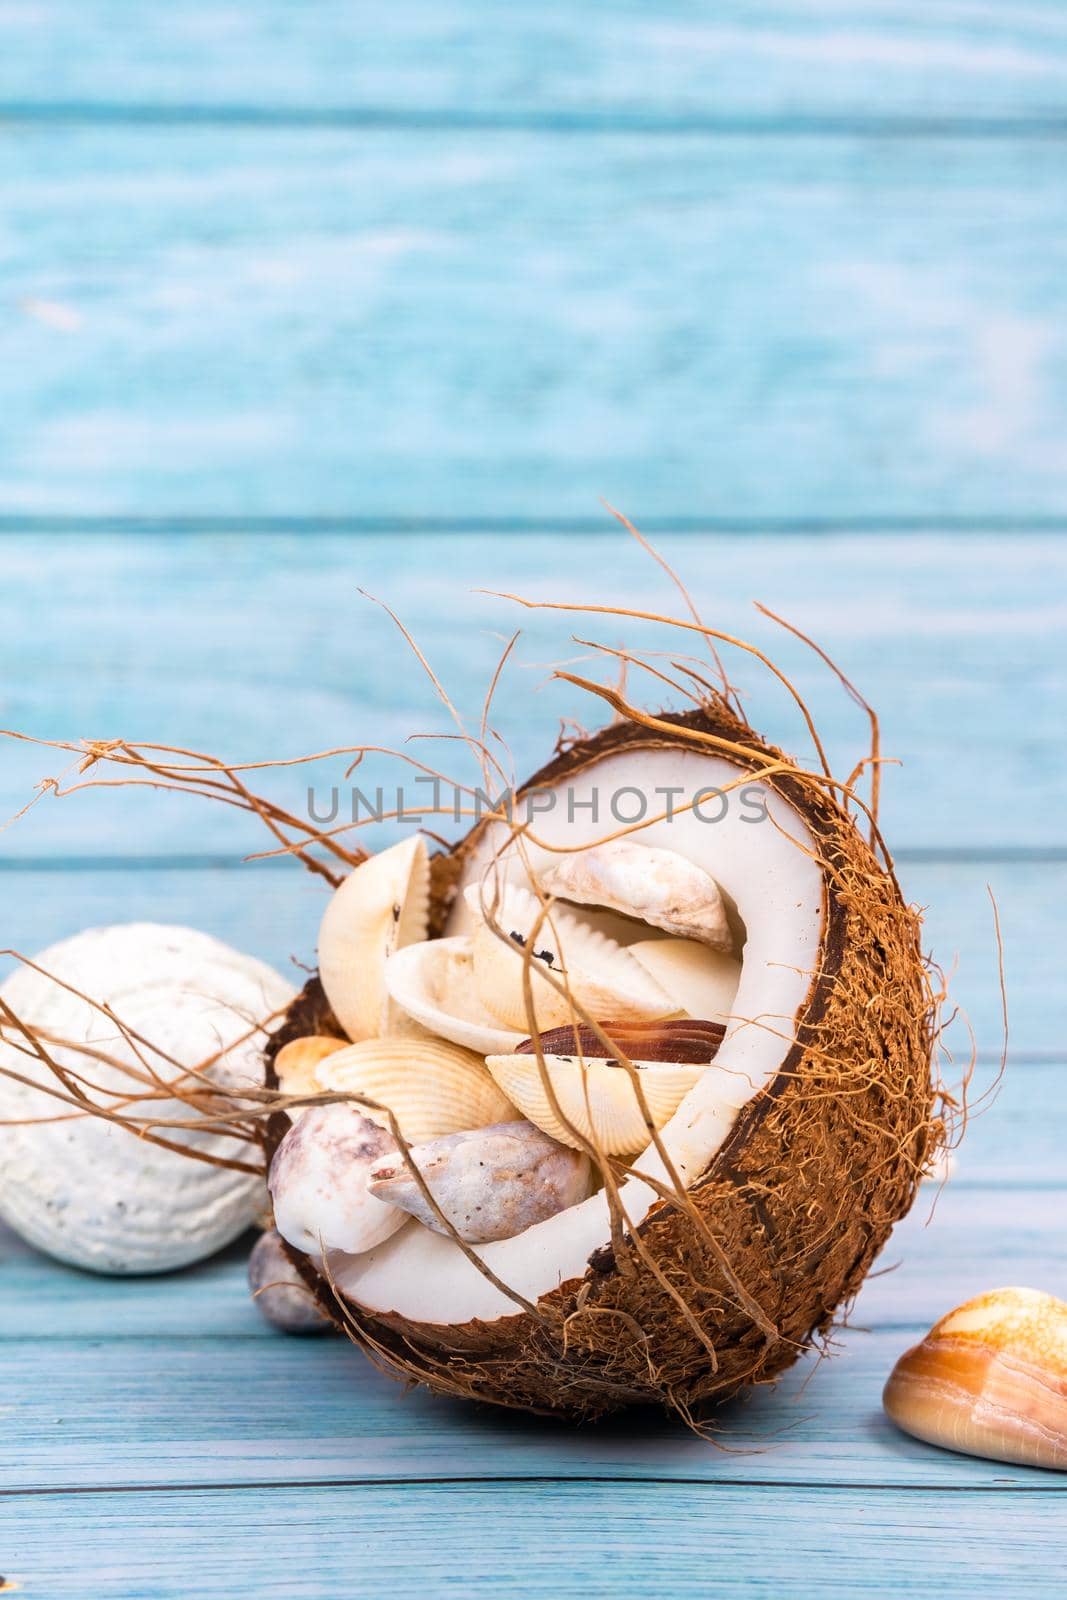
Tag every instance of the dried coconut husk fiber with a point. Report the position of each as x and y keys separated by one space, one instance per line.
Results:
x=726 y=1278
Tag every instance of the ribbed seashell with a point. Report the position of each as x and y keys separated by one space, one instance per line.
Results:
x=990 y=1379
x=318 y=1182
x=279 y=1292
x=601 y=976
x=433 y=982
x=430 y=1086
x=656 y=886
x=597 y=1098
x=702 y=981
x=490 y=1183
x=296 y=1062
x=382 y=906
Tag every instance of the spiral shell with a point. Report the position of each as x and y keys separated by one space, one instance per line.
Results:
x=382 y=906
x=601 y=976
x=430 y=1087
x=490 y=1183
x=318 y=1182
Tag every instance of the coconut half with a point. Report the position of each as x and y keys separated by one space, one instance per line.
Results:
x=767 y=1194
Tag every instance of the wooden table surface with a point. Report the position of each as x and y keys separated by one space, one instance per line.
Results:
x=304 y=300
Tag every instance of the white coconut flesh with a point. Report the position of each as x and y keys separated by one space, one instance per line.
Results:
x=768 y=870
x=86 y=1190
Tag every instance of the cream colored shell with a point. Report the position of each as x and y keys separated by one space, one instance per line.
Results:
x=88 y=1191
x=433 y=982
x=594 y=971
x=595 y=1099
x=990 y=1379
x=430 y=1086
x=702 y=981
x=654 y=885
x=382 y=906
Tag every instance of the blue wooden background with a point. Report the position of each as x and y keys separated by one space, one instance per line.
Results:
x=299 y=299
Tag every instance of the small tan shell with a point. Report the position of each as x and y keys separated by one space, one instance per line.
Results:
x=431 y=1087
x=491 y=1183
x=596 y=1098
x=296 y=1063
x=602 y=976
x=990 y=1379
x=382 y=906
x=433 y=982
x=656 y=886
x=702 y=981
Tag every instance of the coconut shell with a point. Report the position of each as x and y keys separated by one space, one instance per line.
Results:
x=800 y=1198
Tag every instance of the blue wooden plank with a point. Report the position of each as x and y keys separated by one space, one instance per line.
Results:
x=262 y=647
x=614 y=61
x=202 y=1413
x=537 y=1541
x=426 y=323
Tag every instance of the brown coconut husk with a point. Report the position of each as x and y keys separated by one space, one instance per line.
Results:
x=723 y=1284
x=799 y=1200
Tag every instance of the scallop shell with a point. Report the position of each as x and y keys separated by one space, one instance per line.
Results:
x=656 y=886
x=382 y=906
x=989 y=1379
x=433 y=982
x=596 y=1098
x=430 y=1087
x=491 y=1183
x=296 y=1063
x=602 y=977
x=702 y=981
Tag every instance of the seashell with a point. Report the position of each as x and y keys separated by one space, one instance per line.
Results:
x=318 y=1182
x=990 y=1379
x=692 y=1042
x=491 y=1183
x=279 y=1292
x=430 y=1086
x=702 y=981
x=656 y=886
x=602 y=976
x=596 y=1097
x=433 y=982
x=88 y=1191
x=382 y=906
x=295 y=1064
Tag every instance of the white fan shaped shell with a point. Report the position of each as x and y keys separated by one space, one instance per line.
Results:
x=87 y=1191
x=434 y=984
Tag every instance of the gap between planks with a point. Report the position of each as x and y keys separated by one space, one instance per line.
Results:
x=471 y=1480
x=846 y=125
